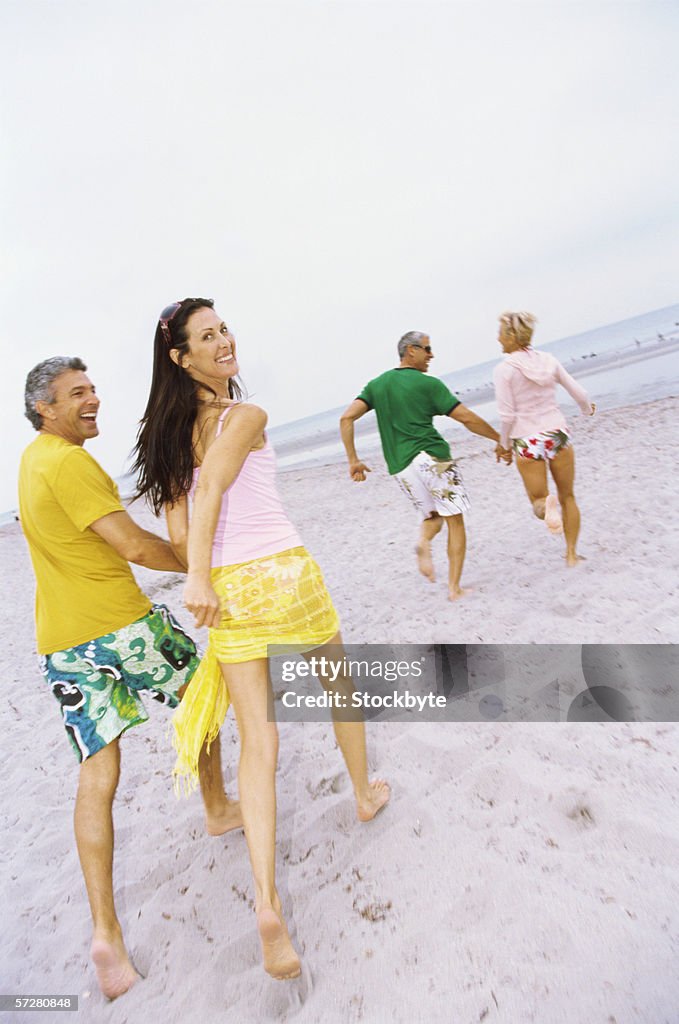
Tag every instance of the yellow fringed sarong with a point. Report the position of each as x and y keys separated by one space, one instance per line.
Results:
x=279 y=599
x=198 y=719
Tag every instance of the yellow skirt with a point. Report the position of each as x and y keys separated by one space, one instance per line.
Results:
x=279 y=599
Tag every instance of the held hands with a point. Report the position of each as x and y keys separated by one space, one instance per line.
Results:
x=592 y=408
x=358 y=470
x=202 y=601
x=504 y=454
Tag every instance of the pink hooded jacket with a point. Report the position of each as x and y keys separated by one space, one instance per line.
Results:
x=525 y=394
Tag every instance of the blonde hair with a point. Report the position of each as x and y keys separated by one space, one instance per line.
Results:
x=520 y=326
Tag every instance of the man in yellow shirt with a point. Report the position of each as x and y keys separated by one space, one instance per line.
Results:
x=101 y=641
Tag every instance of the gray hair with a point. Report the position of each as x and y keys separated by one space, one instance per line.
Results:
x=411 y=338
x=39 y=383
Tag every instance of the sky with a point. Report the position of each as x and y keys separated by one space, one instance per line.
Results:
x=333 y=174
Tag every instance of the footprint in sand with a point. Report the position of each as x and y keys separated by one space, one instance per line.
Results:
x=567 y=611
x=325 y=786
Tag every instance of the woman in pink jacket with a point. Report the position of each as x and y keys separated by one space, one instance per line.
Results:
x=530 y=418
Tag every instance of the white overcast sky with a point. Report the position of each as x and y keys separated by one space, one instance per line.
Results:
x=332 y=174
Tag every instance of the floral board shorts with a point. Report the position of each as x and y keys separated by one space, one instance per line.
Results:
x=99 y=683
x=434 y=486
x=541 y=446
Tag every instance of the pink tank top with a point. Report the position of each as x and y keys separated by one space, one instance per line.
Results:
x=252 y=521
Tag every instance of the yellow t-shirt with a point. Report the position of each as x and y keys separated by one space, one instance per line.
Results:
x=85 y=589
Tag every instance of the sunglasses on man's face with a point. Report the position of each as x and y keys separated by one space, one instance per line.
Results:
x=427 y=348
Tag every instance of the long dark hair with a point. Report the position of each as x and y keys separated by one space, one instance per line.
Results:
x=163 y=454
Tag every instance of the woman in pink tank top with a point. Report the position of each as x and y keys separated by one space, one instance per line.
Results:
x=202 y=454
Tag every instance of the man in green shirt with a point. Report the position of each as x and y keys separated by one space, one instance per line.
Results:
x=406 y=400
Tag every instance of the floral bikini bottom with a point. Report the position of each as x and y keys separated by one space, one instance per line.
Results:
x=541 y=446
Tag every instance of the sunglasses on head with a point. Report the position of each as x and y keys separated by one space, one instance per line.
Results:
x=167 y=315
x=169 y=312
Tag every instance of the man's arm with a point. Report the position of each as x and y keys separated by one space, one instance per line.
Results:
x=136 y=545
x=473 y=422
x=477 y=425
x=358 y=408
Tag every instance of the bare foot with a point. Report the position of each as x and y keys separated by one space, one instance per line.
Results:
x=456 y=592
x=115 y=973
x=375 y=799
x=424 y=562
x=280 y=959
x=573 y=559
x=553 y=514
x=230 y=817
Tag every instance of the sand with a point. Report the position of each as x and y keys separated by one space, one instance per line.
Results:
x=522 y=872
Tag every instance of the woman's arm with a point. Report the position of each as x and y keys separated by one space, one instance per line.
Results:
x=177 y=519
x=505 y=402
x=221 y=466
x=575 y=390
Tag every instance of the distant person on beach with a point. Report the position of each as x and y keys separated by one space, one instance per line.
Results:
x=406 y=400
x=534 y=426
x=101 y=642
x=249 y=579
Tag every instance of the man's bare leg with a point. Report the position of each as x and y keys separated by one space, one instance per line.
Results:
x=457 y=547
x=221 y=814
x=430 y=527
x=93 y=821
x=371 y=795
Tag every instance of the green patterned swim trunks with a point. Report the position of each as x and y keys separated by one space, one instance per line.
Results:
x=99 y=683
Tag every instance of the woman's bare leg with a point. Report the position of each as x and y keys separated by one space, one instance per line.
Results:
x=562 y=468
x=533 y=473
x=371 y=796
x=248 y=685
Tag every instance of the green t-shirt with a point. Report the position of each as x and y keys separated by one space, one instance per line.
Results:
x=405 y=401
